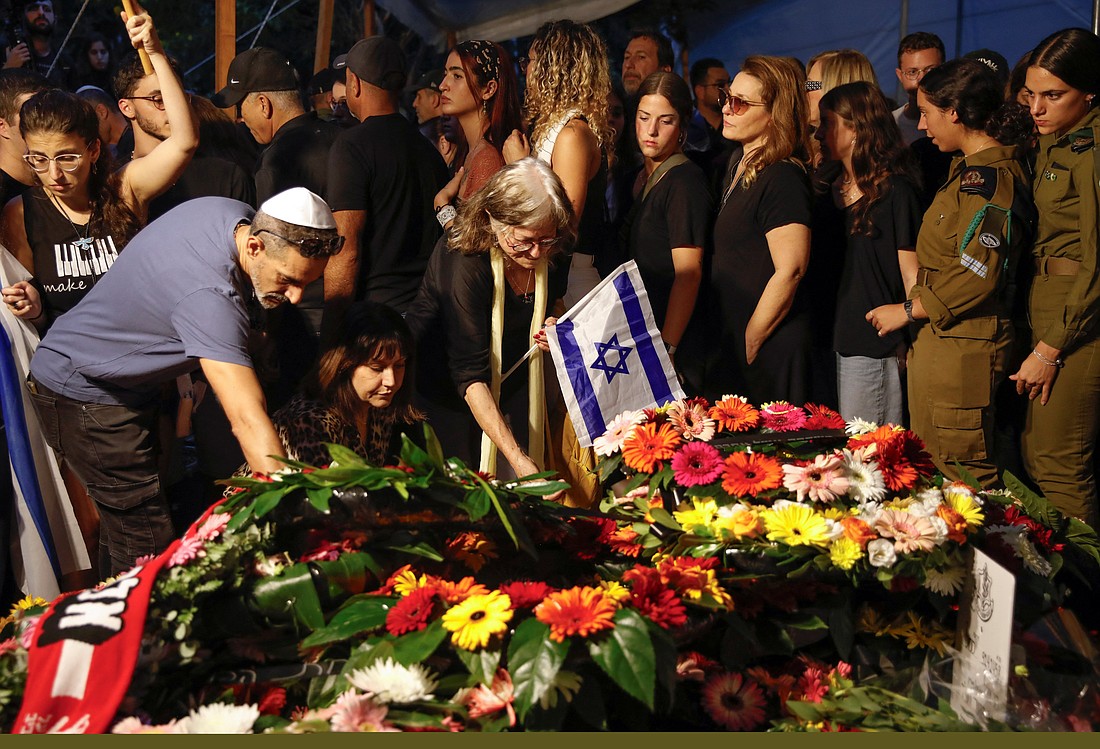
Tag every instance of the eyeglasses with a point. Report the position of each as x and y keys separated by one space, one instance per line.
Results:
x=522 y=247
x=66 y=162
x=312 y=246
x=157 y=100
x=814 y=85
x=914 y=73
x=736 y=104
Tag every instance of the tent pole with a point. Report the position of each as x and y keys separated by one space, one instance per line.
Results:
x=225 y=40
x=685 y=67
x=368 y=18
x=1096 y=16
x=903 y=31
x=324 y=36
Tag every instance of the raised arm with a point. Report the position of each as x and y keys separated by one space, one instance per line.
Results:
x=147 y=177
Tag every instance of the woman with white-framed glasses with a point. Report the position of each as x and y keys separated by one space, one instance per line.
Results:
x=69 y=228
x=762 y=239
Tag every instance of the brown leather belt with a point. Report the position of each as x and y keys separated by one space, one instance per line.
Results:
x=1056 y=266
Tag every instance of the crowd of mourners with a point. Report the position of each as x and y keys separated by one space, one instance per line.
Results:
x=190 y=294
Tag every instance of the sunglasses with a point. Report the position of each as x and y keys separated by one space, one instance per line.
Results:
x=814 y=85
x=311 y=246
x=736 y=104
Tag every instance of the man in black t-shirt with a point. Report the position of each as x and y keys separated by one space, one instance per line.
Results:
x=382 y=178
x=36 y=50
x=16 y=86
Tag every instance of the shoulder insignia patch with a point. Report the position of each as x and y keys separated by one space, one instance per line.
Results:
x=1081 y=143
x=989 y=240
x=979 y=180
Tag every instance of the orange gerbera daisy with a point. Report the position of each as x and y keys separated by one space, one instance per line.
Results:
x=648 y=445
x=734 y=414
x=576 y=611
x=458 y=592
x=751 y=473
x=859 y=531
x=956 y=523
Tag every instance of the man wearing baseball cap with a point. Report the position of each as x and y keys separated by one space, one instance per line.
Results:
x=382 y=178
x=427 y=102
x=185 y=295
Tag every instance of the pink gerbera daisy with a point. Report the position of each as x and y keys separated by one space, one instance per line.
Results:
x=213 y=526
x=696 y=464
x=691 y=420
x=781 y=416
x=910 y=533
x=734 y=702
x=188 y=549
x=611 y=441
x=358 y=713
x=822 y=481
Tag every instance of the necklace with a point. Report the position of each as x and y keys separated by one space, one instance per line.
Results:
x=526 y=293
x=84 y=242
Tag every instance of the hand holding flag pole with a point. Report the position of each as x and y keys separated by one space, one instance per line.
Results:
x=129 y=12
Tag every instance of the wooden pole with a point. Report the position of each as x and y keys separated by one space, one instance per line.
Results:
x=324 y=36
x=146 y=63
x=452 y=39
x=368 y=18
x=225 y=40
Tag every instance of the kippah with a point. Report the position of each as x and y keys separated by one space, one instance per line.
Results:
x=300 y=207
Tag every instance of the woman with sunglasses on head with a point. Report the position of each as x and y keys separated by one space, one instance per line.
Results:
x=479 y=90
x=670 y=226
x=968 y=248
x=568 y=83
x=866 y=221
x=488 y=291
x=69 y=229
x=762 y=239
x=1061 y=374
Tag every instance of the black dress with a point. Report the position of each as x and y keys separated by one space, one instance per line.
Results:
x=740 y=269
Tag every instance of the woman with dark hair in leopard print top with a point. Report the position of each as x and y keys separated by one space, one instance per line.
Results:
x=353 y=397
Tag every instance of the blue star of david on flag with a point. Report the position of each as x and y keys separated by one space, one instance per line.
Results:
x=603 y=349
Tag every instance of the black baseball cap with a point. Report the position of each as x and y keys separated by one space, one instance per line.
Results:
x=257 y=69
x=320 y=82
x=431 y=80
x=377 y=60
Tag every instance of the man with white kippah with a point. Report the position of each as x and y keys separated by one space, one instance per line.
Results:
x=185 y=294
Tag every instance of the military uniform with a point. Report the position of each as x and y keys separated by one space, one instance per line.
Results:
x=979 y=224
x=1059 y=439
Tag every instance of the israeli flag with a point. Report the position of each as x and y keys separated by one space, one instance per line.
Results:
x=609 y=355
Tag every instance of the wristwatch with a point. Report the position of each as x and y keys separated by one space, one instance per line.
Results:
x=908 y=307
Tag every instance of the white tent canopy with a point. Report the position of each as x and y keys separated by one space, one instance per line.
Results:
x=492 y=19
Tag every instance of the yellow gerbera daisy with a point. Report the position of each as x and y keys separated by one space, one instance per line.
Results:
x=737 y=523
x=844 y=553
x=616 y=591
x=473 y=622
x=406 y=581
x=796 y=525
x=702 y=512
x=966 y=505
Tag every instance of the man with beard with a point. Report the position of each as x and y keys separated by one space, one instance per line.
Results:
x=183 y=296
x=38 y=27
x=140 y=102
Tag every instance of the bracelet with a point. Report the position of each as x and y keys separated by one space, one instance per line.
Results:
x=670 y=349
x=445 y=214
x=1048 y=362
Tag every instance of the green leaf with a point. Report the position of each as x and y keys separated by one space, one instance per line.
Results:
x=435 y=450
x=345 y=457
x=662 y=517
x=540 y=487
x=967 y=477
x=805 y=710
x=608 y=466
x=291 y=594
x=533 y=660
x=416 y=646
x=476 y=504
x=842 y=629
x=420 y=549
x=267 y=502
x=319 y=498
x=352 y=619
x=626 y=655
x=412 y=454
x=804 y=620
x=482 y=663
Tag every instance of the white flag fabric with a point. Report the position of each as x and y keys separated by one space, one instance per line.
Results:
x=609 y=355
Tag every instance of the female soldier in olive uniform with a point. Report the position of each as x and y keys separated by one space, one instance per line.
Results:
x=978 y=226
x=1059 y=439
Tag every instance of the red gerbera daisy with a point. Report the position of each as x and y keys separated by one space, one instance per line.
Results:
x=524 y=593
x=576 y=611
x=412 y=612
x=734 y=702
x=823 y=417
x=658 y=603
x=751 y=473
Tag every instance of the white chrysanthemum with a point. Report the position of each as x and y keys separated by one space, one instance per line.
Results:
x=1016 y=537
x=941 y=529
x=779 y=504
x=390 y=682
x=865 y=482
x=930 y=496
x=946 y=582
x=869 y=512
x=835 y=529
x=860 y=426
x=880 y=553
x=221 y=718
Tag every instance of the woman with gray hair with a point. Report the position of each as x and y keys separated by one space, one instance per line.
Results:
x=486 y=295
